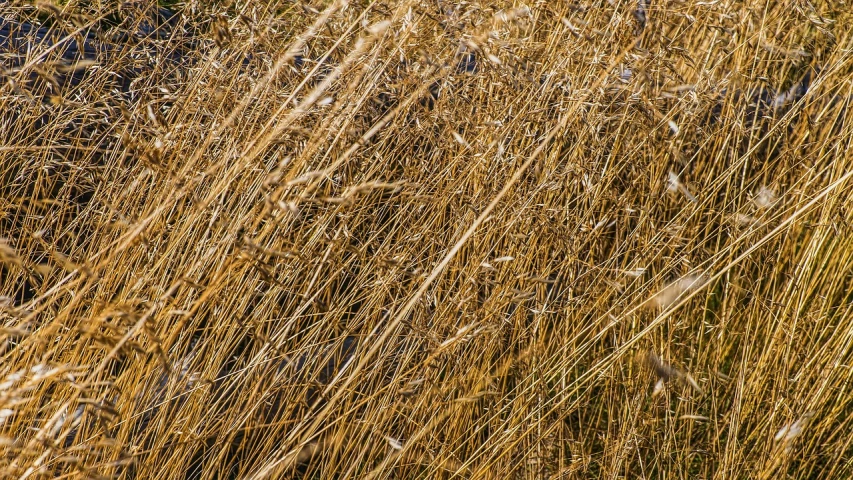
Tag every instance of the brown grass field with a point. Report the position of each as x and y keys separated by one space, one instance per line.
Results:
x=423 y=239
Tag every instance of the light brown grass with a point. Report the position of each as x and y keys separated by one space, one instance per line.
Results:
x=503 y=245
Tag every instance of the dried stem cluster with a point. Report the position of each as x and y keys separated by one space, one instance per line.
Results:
x=426 y=239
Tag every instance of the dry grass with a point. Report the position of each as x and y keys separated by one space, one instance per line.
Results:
x=431 y=239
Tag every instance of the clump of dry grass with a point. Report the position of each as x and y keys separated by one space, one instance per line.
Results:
x=427 y=239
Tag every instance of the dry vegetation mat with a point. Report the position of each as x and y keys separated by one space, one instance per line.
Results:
x=426 y=239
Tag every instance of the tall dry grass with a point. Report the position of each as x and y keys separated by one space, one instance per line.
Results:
x=430 y=239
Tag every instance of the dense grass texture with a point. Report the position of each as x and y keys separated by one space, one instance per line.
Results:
x=426 y=239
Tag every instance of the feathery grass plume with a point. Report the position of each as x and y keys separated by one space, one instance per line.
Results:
x=789 y=432
x=673 y=182
x=676 y=289
x=666 y=373
x=765 y=198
